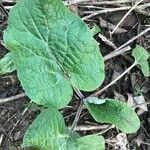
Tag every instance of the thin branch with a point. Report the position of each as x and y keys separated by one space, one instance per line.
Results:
x=89 y=128
x=125 y=16
x=117 y=53
x=9 y=99
x=142 y=104
x=95 y=13
x=108 y=42
x=111 y=2
x=114 y=81
x=107 y=129
x=71 y=2
x=133 y=39
x=111 y=26
x=77 y=117
x=108 y=10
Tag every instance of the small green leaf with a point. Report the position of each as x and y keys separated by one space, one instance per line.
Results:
x=117 y=113
x=91 y=142
x=94 y=100
x=53 y=51
x=96 y=29
x=6 y=64
x=48 y=132
x=141 y=56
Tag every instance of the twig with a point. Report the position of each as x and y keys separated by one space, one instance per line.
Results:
x=114 y=81
x=120 y=50
x=95 y=13
x=142 y=104
x=125 y=16
x=4 y=10
x=22 y=114
x=117 y=53
x=108 y=10
x=104 y=39
x=1 y=139
x=76 y=117
x=111 y=26
x=88 y=128
x=133 y=39
x=139 y=141
x=111 y=2
x=9 y=99
x=104 y=131
x=70 y=2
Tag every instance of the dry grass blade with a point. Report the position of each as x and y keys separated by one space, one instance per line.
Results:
x=125 y=16
x=9 y=99
x=105 y=2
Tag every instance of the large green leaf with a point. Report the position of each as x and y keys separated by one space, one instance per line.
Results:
x=115 y=112
x=53 y=50
x=141 y=56
x=48 y=132
x=6 y=64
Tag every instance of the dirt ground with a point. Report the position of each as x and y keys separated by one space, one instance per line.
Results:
x=15 y=118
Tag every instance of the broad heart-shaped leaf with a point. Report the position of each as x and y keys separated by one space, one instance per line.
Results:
x=53 y=50
x=117 y=113
x=6 y=64
x=141 y=56
x=48 y=132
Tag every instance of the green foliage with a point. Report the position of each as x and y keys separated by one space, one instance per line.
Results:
x=6 y=64
x=53 y=51
x=91 y=142
x=115 y=112
x=48 y=132
x=96 y=29
x=141 y=56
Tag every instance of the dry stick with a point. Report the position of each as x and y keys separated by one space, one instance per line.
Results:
x=111 y=2
x=133 y=39
x=114 y=81
x=94 y=13
x=111 y=26
x=76 y=1
x=9 y=99
x=107 y=10
x=105 y=130
x=125 y=16
x=117 y=53
x=139 y=141
x=22 y=114
x=1 y=139
x=108 y=42
x=88 y=127
x=77 y=117
x=142 y=104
